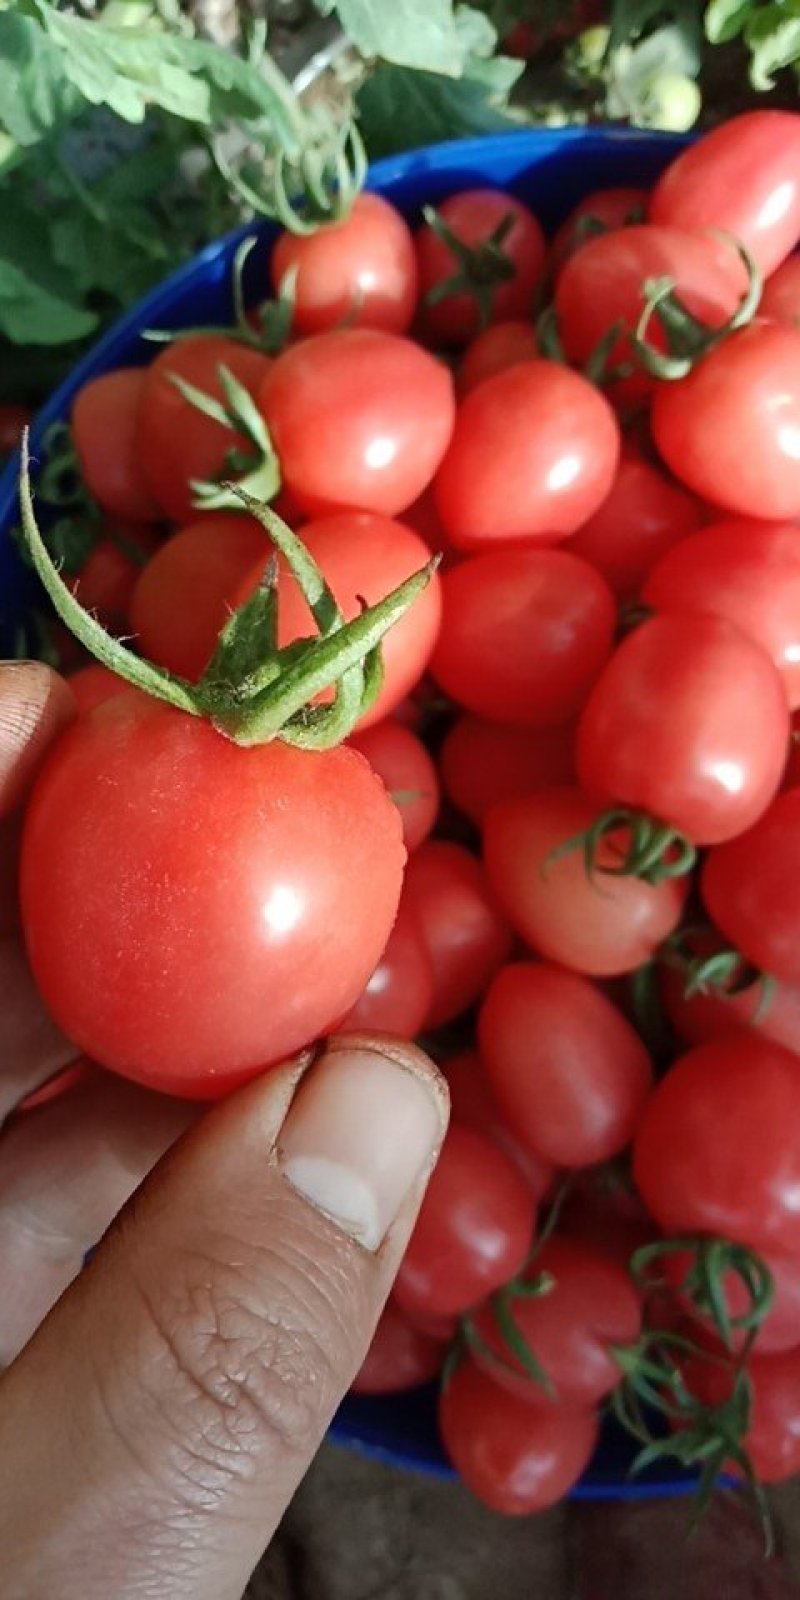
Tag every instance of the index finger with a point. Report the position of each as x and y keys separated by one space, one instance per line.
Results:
x=34 y=704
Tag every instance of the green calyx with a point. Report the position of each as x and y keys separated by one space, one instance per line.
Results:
x=639 y=846
x=274 y=317
x=81 y=525
x=718 y=969
x=256 y=467
x=254 y=690
x=303 y=193
x=480 y=268
x=689 y=340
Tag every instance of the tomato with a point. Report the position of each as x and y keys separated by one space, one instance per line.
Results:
x=516 y=1458
x=604 y=284
x=483 y=763
x=13 y=422
x=472 y=218
x=176 y=443
x=602 y=924
x=359 y=418
x=93 y=684
x=778 y=1330
x=473 y=1232
x=533 y=454
x=524 y=635
x=399 y=994
x=570 y=1328
x=361 y=269
x=698 y=1017
x=602 y=211
x=405 y=767
x=743 y=178
x=780 y=301
x=688 y=722
x=207 y=562
x=643 y=515
x=772 y=1440
x=399 y=1358
x=364 y=557
x=569 y=1072
x=107 y=580
x=105 y=432
x=501 y=345
x=749 y=888
x=601 y=1208
x=716 y=1151
x=473 y=1105
x=465 y=936
x=193 y=910
x=731 y=429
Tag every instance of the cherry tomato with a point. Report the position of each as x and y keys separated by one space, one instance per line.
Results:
x=362 y=270
x=602 y=1208
x=743 y=178
x=13 y=422
x=524 y=635
x=473 y=1105
x=399 y=1358
x=642 y=517
x=398 y=997
x=207 y=562
x=466 y=938
x=603 y=924
x=569 y=1072
x=533 y=454
x=778 y=1330
x=93 y=684
x=187 y=943
x=602 y=211
x=405 y=767
x=105 y=425
x=688 y=722
x=177 y=444
x=716 y=1151
x=358 y=418
x=107 y=580
x=516 y=1458
x=473 y=1231
x=501 y=345
x=731 y=429
x=780 y=301
x=472 y=218
x=772 y=1440
x=749 y=888
x=698 y=1017
x=483 y=763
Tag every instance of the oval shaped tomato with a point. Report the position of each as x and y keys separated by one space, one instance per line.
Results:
x=361 y=269
x=105 y=433
x=93 y=684
x=533 y=454
x=716 y=1151
x=502 y=345
x=178 y=893
x=463 y=932
x=473 y=1231
x=569 y=1071
x=398 y=997
x=772 y=1440
x=358 y=418
x=643 y=515
x=603 y=924
x=688 y=722
x=780 y=301
x=108 y=577
x=699 y=1017
x=777 y=1331
x=524 y=635
x=176 y=443
x=602 y=211
x=408 y=772
x=516 y=1458
x=749 y=888
x=472 y=217
x=731 y=429
x=473 y=1105
x=483 y=763
x=186 y=593
x=399 y=1357
x=743 y=178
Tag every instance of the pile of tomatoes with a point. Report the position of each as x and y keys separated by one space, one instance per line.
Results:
x=585 y=734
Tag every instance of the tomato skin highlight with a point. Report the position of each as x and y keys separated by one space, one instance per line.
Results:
x=400 y=1357
x=749 y=889
x=169 y=940
x=641 y=518
x=483 y=763
x=405 y=767
x=466 y=937
x=533 y=454
x=361 y=269
x=206 y=560
x=472 y=217
x=105 y=424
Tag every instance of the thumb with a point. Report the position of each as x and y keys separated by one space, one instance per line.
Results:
x=169 y=1405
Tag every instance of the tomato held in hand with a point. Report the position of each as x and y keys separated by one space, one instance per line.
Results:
x=195 y=911
x=403 y=764
x=505 y=279
x=483 y=763
x=750 y=889
x=105 y=432
x=361 y=270
x=185 y=594
x=463 y=931
x=399 y=1358
x=643 y=515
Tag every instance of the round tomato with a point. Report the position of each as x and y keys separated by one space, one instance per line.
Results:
x=473 y=1105
x=749 y=886
x=358 y=418
x=399 y=1358
x=405 y=767
x=361 y=269
x=780 y=301
x=524 y=635
x=178 y=893
x=505 y=276
x=108 y=577
x=688 y=722
x=569 y=1072
x=699 y=1016
x=777 y=1331
x=399 y=994
x=772 y=1440
x=602 y=211
x=502 y=345
x=93 y=684
x=105 y=432
x=483 y=763
x=464 y=934
x=642 y=517
x=186 y=593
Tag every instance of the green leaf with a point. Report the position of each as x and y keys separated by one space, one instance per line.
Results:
x=408 y=33
x=35 y=95
x=725 y=19
x=32 y=314
x=401 y=110
x=632 y=18
x=772 y=35
x=634 y=68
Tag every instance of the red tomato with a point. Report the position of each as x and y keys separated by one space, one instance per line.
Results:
x=13 y=421
x=398 y=996
x=190 y=942
x=93 y=684
x=359 y=418
x=778 y=1331
x=473 y=1105
x=362 y=270
x=405 y=767
x=466 y=938
x=744 y=178
x=502 y=345
x=642 y=517
x=750 y=577
x=472 y=218
x=688 y=722
x=516 y=1458
x=364 y=557
x=717 y=1152
x=601 y=925
x=780 y=301
x=699 y=1017
x=570 y=1328
x=176 y=444
x=524 y=635
x=533 y=454
x=105 y=432
x=772 y=1441
x=109 y=575
x=749 y=888
x=204 y=563
x=601 y=1208
x=731 y=429
x=399 y=1358
x=473 y=1232
x=569 y=1072
x=602 y=211
x=483 y=763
